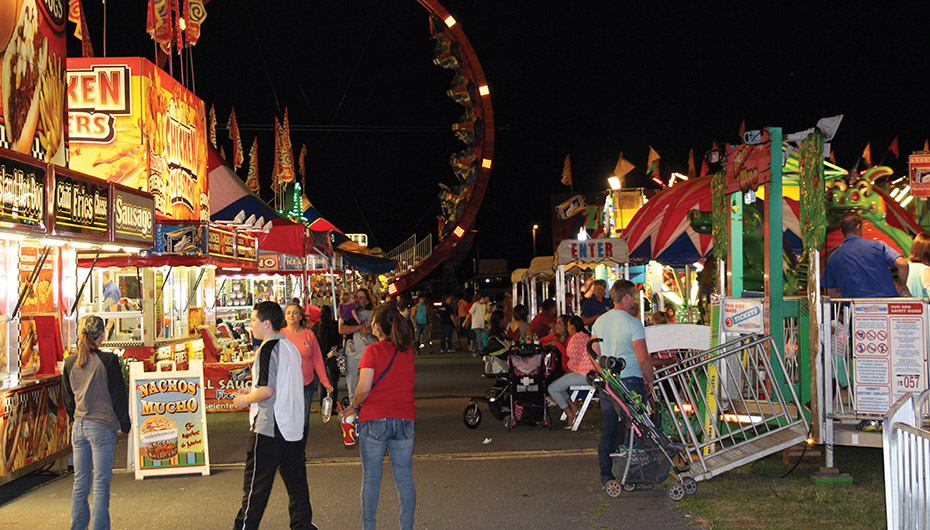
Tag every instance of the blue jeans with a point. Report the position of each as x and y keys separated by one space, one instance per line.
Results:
x=94 y=446
x=559 y=388
x=481 y=339
x=309 y=389
x=396 y=436
x=422 y=334
x=610 y=426
x=445 y=342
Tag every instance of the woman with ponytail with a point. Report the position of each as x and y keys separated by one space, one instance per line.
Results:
x=384 y=403
x=95 y=399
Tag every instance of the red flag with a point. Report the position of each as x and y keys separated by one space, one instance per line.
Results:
x=158 y=24
x=179 y=30
x=76 y=15
x=867 y=155
x=251 y=179
x=194 y=15
x=232 y=128
x=704 y=168
x=926 y=145
x=894 y=147
x=275 y=185
x=287 y=152
x=691 y=163
x=567 y=171
x=302 y=162
x=742 y=130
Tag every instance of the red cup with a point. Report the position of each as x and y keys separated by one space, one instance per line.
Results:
x=348 y=430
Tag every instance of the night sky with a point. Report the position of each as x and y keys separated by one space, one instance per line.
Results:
x=590 y=80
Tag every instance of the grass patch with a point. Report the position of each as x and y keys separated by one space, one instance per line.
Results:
x=754 y=496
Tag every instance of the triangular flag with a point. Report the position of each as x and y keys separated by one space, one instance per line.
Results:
x=194 y=15
x=302 y=163
x=158 y=24
x=287 y=173
x=704 y=167
x=652 y=163
x=623 y=167
x=894 y=147
x=251 y=179
x=212 y=126
x=691 y=163
x=76 y=15
x=276 y=170
x=232 y=128
x=867 y=155
x=926 y=145
x=742 y=130
x=832 y=155
x=567 y=171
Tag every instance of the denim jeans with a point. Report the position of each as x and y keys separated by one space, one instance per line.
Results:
x=610 y=427
x=309 y=389
x=445 y=342
x=559 y=388
x=422 y=334
x=94 y=446
x=481 y=339
x=396 y=436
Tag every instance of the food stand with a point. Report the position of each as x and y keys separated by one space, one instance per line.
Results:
x=575 y=255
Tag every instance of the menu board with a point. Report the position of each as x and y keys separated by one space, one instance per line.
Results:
x=169 y=427
x=133 y=216
x=80 y=205
x=246 y=247
x=22 y=193
x=889 y=353
x=221 y=243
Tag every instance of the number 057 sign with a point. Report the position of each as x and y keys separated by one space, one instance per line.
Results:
x=889 y=353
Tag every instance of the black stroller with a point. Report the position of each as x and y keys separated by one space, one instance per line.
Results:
x=651 y=462
x=498 y=396
x=518 y=396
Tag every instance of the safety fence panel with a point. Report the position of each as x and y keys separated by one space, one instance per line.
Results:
x=906 y=448
x=725 y=410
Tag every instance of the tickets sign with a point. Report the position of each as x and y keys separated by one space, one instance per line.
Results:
x=742 y=315
x=889 y=346
x=169 y=428
x=130 y=122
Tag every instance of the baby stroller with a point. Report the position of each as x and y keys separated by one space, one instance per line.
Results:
x=650 y=461
x=527 y=372
x=498 y=396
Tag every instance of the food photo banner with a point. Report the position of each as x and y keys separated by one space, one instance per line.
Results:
x=131 y=123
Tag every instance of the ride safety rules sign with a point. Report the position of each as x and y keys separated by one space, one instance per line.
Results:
x=889 y=344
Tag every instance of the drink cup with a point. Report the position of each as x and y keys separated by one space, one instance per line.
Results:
x=348 y=430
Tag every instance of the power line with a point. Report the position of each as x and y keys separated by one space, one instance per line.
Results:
x=346 y=128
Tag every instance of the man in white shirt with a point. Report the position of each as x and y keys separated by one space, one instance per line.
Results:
x=276 y=407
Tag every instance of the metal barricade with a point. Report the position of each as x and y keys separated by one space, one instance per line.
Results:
x=906 y=448
x=725 y=409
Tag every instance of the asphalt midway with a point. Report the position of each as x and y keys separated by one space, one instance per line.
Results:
x=531 y=477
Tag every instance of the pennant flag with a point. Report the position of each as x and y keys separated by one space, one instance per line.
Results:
x=567 y=171
x=178 y=30
x=251 y=179
x=867 y=155
x=223 y=152
x=624 y=166
x=158 y=24
x=286 y=153
x=194 y=15
x=275 y=185
x=691 y=163
x=76 y=15
x=926 y=145
x=212 y=126
x=894 y=147
x=704 y=168
x=742 y=130
x=652 y=163
x=832 y=155
x=232 y=129
x=301 y=163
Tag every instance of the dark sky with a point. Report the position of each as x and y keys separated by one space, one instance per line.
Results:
x=587 y=78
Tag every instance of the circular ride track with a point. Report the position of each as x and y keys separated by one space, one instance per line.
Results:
x=472 y=166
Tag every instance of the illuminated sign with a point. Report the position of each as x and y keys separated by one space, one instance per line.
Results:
x=22 y=193
x=246 y=247
x=133 y=216
x=221 y=243
x=81 y=205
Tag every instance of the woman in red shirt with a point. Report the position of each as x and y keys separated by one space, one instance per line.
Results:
x=386 y=412
x=579 y=364
x=311 y=358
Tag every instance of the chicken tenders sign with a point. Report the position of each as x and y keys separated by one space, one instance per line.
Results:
x=131 y=123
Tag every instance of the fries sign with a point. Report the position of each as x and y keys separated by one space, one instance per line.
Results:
x=130 y=122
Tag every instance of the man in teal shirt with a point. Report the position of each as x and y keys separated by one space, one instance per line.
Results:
x=623 y=336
